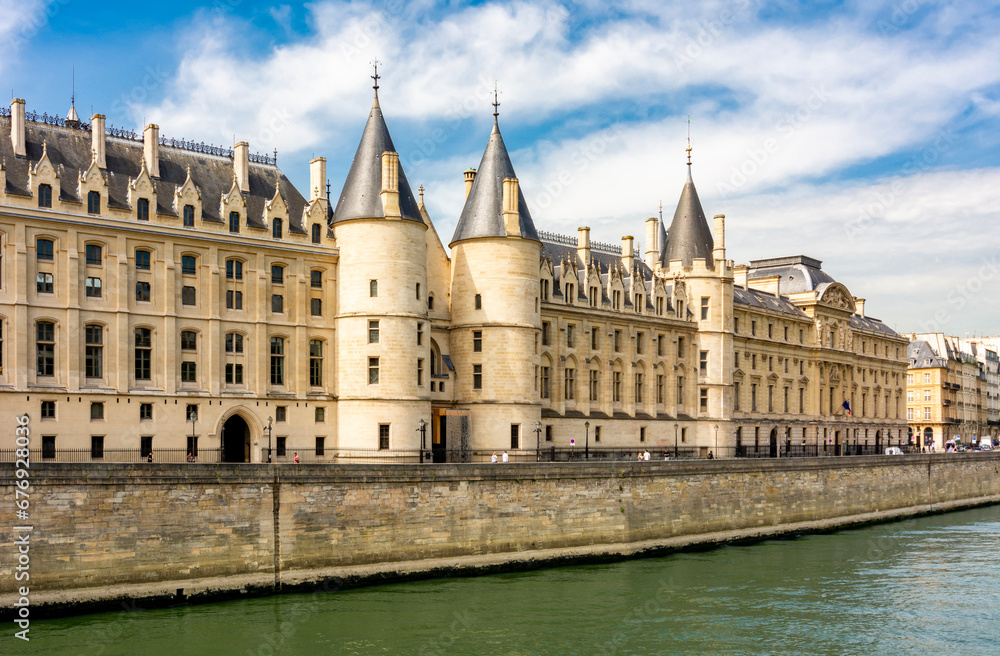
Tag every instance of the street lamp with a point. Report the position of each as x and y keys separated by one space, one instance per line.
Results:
x=269 y=440
x=538 y=440
x=675 y=441
x=422 y=427
x=586 y=447
x=192 y=448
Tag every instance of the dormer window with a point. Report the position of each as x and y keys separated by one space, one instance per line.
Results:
x=234 y=222
x=142 y=209
x=276 y=226
x=44 y=195
x=189 y=216
x=315 y=233
x=93 y=202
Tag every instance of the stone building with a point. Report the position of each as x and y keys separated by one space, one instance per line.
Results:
x=952 y=389
x=158 y=295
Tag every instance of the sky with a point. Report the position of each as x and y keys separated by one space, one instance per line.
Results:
x=863 y=134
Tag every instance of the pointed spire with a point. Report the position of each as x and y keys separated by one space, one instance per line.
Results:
x=482 y=215
x=661 y=239
x=360 y=197
x=689 y=237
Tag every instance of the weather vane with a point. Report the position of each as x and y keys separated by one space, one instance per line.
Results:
x=689 y=140
x=376 y=76
x=496 y=99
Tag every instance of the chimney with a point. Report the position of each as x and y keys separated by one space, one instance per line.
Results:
x=17 y=136
x=97 y=140
x=511 y=214
x=390 y=184
x=859 y=306
x=583 y=246
x=628 y=257
x=151 y=149
x=317 y=178
x=241 y=165
x=719 y=237
x=652 y=248
x=741 y=273
x=470 y=177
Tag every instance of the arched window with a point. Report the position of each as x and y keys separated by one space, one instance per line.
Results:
x=234 y=270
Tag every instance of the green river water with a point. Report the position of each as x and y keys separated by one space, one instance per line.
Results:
x=923 y=586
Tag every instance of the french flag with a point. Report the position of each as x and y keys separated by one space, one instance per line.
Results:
x=847 y=407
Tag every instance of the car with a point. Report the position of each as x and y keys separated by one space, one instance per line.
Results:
x=893 y=451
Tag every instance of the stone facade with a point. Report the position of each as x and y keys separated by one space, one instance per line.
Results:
x=161 y=296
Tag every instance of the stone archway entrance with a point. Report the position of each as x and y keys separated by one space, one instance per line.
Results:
x=773 y=443
x=235 y=440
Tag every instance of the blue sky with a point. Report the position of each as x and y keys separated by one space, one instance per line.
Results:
x=864 y=134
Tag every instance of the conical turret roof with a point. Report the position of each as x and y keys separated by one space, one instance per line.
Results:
x=482 y=215
x=690 y=237
x=361 y=196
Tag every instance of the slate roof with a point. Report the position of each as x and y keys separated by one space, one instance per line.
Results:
x=361 y=196
x=759 y=299
x=921 y=355
x=482 y=215
x=798 y=272
x=69 y=150
x=871 y=323
x=690 y=237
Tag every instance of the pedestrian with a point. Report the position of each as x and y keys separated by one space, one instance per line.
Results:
x=666 y=455
x=505 y=457
x=493 y=458
x=190 y=457
x=710 y=456
x=295 y=457
x=645 y=454
x=640 y=456
x=149 y=458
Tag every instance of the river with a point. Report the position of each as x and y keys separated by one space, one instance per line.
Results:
x=929 y=585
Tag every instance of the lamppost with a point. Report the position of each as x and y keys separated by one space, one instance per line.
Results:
x=586 y=444
x=716 y=440
x=675 y=441
x=422 y=428
x=193 y=449
x=269 y=420
x=538 y=441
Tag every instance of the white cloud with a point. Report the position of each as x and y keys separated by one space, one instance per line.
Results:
x=20 y=22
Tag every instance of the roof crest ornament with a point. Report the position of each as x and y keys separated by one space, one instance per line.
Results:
x=689 y=140
x=376 y=76
x=496 y=100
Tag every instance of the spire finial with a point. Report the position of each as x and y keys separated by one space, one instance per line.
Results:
x=376 y=76
x=661 y=210
x=496 y=99
x=421 y=190
x=689 y=140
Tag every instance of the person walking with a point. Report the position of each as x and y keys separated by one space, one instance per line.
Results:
x=295 y=457
x=493 y=458
x=505 y=457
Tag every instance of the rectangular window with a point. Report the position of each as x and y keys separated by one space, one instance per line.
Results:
x=640 y=339
x=770 y=398
x=477 y=376
x=316 y=307
x=93 y=202
x=142 y=209
x=44 y=283
x=383 y=436
x=703 y=399
x=93 y=351
x=659 y=388
x=420 y=372
x=802 y=400
x=594 y=385
x=420 y=334
x=44 y=195
x=276 y=228
x=45 y=348
x=96 y=447
x=48 y=446
x=94 y=255
x=145 y=411
x=315 y=230
x=515 y=436
x=277 y=303
x=93 y=286
x=594 y=332
x=234 y=373
x=477 y=341
x=479 y=301
x=703 y=363
x=545 y=333
x=188 y=265
x=316 y=279
x=320 y=446
x=548 y=433
x=569 y=384
x=544 y=391
x=570 y=329
x=234 y=270
x=680 y=348
x=44 y=249
x=97 y=410
x=927 y=413
x=189 y=372
x=680 y=390
x=618 y=341
x=234 y=300
x=188 y=295
x=927 y=379
x=736 y=396
x=142 y=291
x=189 y=216
x=616 y=387
x=785 y=397
x=704 y=308
x=48 y=409
x=320 y=415
x=143 y=353
x=373 y=331
x=277 y=275
x=277 y=361
x=418 y=291
x=281 y=446
x=909 y=414
x=638 y=388
x=753 y=397
x=234 y=222
x=373 y=371
x=315 y=363
x=373 y=288
x=142 y=260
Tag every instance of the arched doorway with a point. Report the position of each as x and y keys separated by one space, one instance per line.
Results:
x=235 y=440
x=774 y=443
x=928 y=437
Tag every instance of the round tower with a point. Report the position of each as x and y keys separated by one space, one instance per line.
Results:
x=382 y=331
x=495 y=307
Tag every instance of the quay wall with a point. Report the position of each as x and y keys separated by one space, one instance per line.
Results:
x=111 y=531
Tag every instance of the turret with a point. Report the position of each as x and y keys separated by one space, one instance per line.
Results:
x=494 y=302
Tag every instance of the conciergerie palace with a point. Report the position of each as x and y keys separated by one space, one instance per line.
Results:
x=164 y=297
